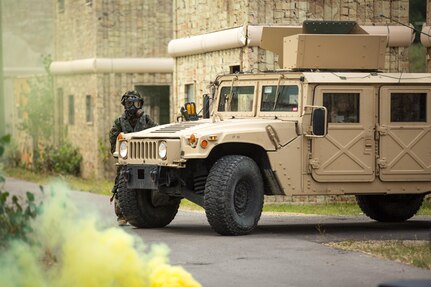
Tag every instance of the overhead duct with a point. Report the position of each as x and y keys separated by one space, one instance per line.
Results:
x=216 y=41
x=398 y=36
x=113 y=65
x=426 y=39
x=271 y=38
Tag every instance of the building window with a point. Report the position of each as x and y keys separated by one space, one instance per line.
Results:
x=60 y=5
x=234 y=69
x=89 y=109
x=408 y=107
x=190 y=93
x=342 y=107
x=71 y=110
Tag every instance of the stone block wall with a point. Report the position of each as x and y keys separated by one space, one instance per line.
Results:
x=106 y=29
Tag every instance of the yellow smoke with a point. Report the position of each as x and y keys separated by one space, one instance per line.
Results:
x=71 y=249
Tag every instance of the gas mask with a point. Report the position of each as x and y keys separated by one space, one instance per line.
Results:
x=131 y=106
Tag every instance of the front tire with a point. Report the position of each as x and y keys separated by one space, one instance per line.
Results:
x=390 y=208
x=139 y=210
x=234 y=195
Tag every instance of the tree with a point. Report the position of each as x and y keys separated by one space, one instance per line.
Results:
x=38 y=110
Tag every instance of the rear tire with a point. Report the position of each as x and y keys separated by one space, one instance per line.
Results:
x=234 y=195
x=138 y=208
x=390 y=208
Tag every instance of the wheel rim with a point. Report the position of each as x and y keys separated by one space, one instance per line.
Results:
x=241 y=196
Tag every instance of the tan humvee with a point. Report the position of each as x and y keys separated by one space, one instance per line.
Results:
x=330 y=124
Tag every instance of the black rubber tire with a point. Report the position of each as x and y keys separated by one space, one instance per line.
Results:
x=138 y=209
x=234 y=195
x=390 y=208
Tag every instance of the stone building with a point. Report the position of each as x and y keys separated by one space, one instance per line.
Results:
x=196 y=67
x=102 y=49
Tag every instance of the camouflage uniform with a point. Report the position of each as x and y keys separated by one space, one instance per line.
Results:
x=132 y=120
x=123 y=125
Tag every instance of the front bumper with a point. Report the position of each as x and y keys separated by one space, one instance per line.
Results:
x=142 y=176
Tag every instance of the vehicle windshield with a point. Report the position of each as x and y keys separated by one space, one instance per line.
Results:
x=236 y=99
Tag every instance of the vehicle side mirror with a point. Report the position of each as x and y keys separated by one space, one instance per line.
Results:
x=206 y=106
x=319 y=119
x=188 y=112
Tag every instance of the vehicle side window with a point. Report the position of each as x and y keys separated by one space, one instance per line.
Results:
x=408 y=107
x=237 y=99
x=342 y=107
x=285 y=100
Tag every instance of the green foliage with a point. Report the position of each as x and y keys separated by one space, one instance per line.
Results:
x=38 y=110
x=66 y=159
x=14 y=216
x=417 y=58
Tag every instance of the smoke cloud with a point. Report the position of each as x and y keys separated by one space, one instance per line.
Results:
x=71 y=249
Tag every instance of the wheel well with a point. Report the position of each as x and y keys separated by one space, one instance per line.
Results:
x=257 y=153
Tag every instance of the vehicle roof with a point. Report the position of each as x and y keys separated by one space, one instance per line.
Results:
x=367 y=77
x=337 y=77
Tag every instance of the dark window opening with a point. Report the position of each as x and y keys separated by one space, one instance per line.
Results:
x=71 y=110
x=190 y=93
x=156 y=102
x=285 y=98
x=342 y=107
x=60 y=5
x=234 y=69
x=408 y=107
x=89 y=109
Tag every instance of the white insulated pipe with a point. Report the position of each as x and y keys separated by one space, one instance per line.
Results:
x=216 y=41
x=426 y=40
x=398 y=36
x=113 y=65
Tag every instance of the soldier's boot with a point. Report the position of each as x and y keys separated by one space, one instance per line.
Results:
x=121 y=220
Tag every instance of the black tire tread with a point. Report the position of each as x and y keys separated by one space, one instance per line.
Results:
x=215 y=204
x=139 y=212
x=377 y=207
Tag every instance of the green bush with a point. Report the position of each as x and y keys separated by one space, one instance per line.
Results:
x=66 y=159
x=14 y=215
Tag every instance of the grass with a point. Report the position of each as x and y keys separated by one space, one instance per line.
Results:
x=412 y=252
x=98 y=186
x=105 y=186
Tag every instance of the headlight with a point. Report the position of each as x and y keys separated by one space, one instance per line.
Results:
x=123 y=149
x=163 y=150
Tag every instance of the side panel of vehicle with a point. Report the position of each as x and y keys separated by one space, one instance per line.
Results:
x=404 y=133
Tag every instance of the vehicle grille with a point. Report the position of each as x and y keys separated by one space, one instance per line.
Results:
x=143 y=150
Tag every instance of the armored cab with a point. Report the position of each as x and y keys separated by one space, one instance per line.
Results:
x=328 y=123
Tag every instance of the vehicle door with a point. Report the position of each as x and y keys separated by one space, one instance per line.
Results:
x=347 y=153
x=404 y=134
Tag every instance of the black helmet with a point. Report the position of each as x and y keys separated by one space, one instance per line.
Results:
x=132 y=98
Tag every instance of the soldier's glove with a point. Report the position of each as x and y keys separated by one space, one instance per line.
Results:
x=139 y=113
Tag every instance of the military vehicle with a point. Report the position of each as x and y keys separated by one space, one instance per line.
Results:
x=329 y=123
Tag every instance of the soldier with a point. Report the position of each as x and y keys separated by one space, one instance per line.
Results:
x=132 y=120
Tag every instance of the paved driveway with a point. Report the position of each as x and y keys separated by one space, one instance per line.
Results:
x=283 y=251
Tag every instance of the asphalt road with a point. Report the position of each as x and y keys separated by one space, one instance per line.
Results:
x=283 y=251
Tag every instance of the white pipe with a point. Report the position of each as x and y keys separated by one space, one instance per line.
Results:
x=113 y=65
x=426 y=40
x=216 y=41
x=398 y=36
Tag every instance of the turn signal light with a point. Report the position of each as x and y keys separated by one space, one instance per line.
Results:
x=120 y=137
x=204 y=144
x=192 y=139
